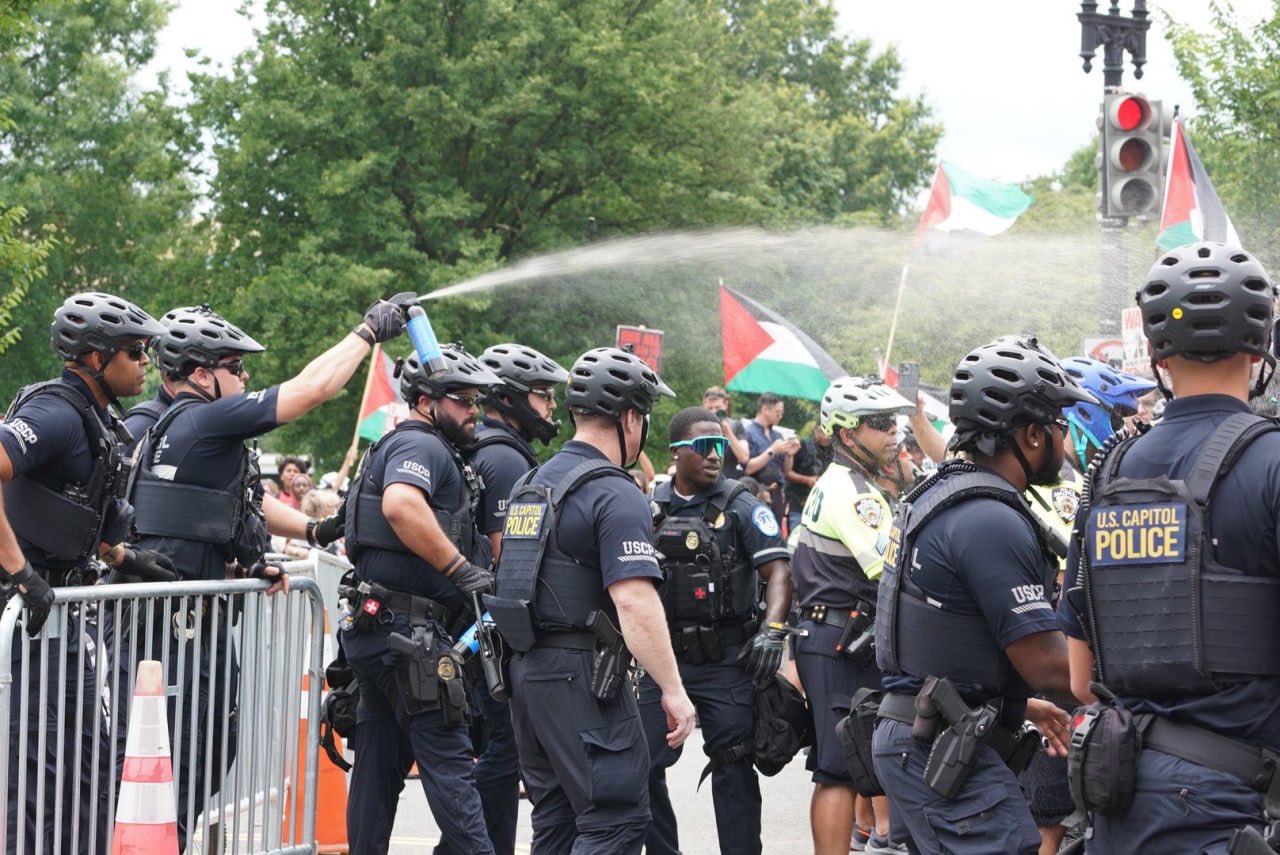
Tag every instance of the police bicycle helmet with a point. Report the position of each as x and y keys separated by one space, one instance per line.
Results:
x=1207 y=301
x=462 y=371
x=519 y=369
x=607 y=381
x=198 y=337
x=848 y=399
x=1117 y=392
x=1005 y=384
x=98 y=322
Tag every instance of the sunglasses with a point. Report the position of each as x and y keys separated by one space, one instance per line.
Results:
x=704 y=445
x=884 y=422
x=468 y=401
x=235 y=367
x=544 y=394
x=137 y=350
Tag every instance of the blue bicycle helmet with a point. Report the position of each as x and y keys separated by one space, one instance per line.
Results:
x=1117 y=393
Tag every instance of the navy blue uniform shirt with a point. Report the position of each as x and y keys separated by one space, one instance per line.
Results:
x=606 y=522
x=138 y=422
x=1244 y=514
x=981 y=557
x=421 y=459
x=499 y=466
x=203 y=446
x=752 y=528
x=45 y=439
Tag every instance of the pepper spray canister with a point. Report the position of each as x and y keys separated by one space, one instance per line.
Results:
x=425 y=343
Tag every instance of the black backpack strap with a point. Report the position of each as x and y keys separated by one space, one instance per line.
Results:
x=501 y=437
x=153 y=407
x=1223 y=449
x=719 y=503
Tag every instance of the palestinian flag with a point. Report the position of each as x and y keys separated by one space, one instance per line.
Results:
x=963 y=203
x=1192 y=210
x=764 y=352
x=381 y=408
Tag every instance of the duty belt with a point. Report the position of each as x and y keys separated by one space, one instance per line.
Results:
x=419 y=609
x=728 y=635
x=902 y=707
x=568 y=640
x=1256 y=767
x=836 y=616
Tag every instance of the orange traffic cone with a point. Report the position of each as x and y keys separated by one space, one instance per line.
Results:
x=146 y=813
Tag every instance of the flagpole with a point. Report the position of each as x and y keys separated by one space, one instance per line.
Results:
x=893 y=325
x=374 y=364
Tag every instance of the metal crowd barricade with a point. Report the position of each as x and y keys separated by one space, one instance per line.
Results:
x=65 y=695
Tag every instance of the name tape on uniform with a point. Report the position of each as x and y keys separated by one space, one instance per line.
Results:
x=1138 y=534
x=524 y=519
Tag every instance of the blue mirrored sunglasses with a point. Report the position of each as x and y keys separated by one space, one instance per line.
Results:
x=703 y=445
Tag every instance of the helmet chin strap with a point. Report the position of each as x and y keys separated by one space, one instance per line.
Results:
x=99 y=377
x=1022 y=459
x=866 y=463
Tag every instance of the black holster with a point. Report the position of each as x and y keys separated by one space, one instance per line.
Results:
x=428 y=681
x=855 y=732
x=609 y=660
x=1102 y=768
x=699 y=645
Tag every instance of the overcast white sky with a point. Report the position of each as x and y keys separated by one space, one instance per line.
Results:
x=1002 y=75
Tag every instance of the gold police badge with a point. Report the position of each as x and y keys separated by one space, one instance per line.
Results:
x=445 y=669
x=691 y=541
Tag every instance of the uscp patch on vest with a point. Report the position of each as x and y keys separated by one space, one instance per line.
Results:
x=524 y=520
x=1138 y=534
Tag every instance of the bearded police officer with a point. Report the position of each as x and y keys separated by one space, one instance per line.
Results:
x=839 y=552
x=715 y=541
x=518 y=410
x=61 y=464
x=419 y=558
x=1172 y=588
x=964 y=628
x=577 y=566
x=199 y=500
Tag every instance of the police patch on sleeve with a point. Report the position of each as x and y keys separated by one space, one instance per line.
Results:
x=765 y=521
x=870 y=512
x=1065 y=502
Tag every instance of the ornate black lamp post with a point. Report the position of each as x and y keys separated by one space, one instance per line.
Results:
x=1115 y=34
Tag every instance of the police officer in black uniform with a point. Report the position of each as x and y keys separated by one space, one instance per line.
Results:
x=964 y=629
x=198 y=499
x=518 y=410
x=1173 y=581
x=577 y=564
x=419 y=558
x=715 y=540
x=60 y=461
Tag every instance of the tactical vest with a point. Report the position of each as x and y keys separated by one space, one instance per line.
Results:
x=535 y=575
x=152 y=409
x=1164 y=615
x=67 y=524
x=496 y=436
x=369 y=527
x=917 y=638
x=708 y=579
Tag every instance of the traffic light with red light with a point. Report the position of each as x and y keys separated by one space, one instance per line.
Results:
x=1131 y=159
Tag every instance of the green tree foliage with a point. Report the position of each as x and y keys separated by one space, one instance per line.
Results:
x=368 y=148
x=1234 y=72
x=90 y=152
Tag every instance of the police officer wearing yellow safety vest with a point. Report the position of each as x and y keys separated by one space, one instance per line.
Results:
x=716 y=541
x=964 y=628
x=1174 y=582
x=576 y=599
x=839 y=553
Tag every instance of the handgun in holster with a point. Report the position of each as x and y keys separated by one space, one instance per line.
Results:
x=610 y=659
x=415 y=669
x=955 y=748
x=858 y=634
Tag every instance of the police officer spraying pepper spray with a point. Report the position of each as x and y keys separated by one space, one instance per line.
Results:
x=61 y=465
x=518 y=411
x=576 y=599
x=964 y=629
x=715 y=540
x=1173 y=587
x=839 y=552
x=419 y=558
x=199 y=500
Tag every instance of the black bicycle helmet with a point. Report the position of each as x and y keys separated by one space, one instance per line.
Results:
x=462 y=371
x=1010 y=382
x=1206 y=301
x=519 y=369
x=197 y=336
x=608 y=382
x=99 y=322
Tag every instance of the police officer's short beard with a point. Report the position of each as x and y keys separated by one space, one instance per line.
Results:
x=1050 y=471
x=455 y=432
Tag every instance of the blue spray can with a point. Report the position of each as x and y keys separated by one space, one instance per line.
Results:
x=468 y=644
x=425 y=343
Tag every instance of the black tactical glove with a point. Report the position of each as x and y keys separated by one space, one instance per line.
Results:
x=763 y=656
x=38 y=597
x=472 y=579
x=326 y=531
x=386 y=317
x=148 y=565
